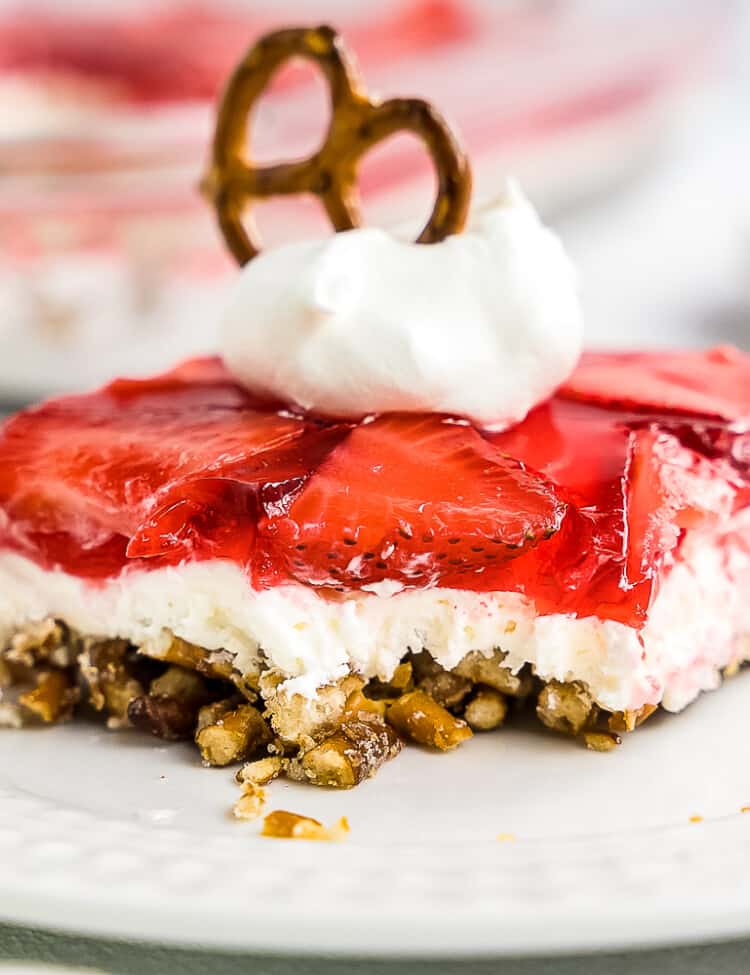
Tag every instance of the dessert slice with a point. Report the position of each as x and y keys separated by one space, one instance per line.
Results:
x=394 y=509
x=185 y=557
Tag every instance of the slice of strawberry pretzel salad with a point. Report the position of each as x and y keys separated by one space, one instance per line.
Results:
x=402 y=504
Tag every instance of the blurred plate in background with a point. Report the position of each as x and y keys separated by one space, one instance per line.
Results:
x=110 y=262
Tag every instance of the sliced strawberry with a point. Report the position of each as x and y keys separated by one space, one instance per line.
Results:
x=215 y=516
x=581 y=448
x=151 y=455
x=196 y=376
x=711 y=383
x=212 y=517
x=584 y=451
x=670 y=488
x=413 y=499
x=78 y=460
x=636 y=485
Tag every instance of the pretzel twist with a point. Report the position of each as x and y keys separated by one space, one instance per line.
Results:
x=357 y=123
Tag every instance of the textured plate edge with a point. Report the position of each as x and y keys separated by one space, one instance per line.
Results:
x=549 y=933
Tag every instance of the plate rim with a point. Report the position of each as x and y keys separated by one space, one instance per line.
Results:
x=676 y=885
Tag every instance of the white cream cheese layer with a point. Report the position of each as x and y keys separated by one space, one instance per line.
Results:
x=484 y=324
x=698 y=624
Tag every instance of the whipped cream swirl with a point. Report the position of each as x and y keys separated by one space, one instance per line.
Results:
x=484 y=325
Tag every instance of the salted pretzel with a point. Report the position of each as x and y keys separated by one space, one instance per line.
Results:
x=357 y=123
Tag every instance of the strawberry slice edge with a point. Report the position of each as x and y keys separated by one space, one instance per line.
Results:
x=701 y=382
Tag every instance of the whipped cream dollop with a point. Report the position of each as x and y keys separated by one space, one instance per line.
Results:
x=485 y=324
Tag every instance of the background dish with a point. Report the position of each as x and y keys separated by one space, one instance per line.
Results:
x=111 y=261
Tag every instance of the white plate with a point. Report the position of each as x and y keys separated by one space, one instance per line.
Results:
x=118 y=835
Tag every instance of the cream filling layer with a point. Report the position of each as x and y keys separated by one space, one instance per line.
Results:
x=698 y=624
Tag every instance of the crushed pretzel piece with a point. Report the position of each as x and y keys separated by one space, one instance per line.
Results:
x=358 y=703
x=349 y=756
x=444 y=686
x=191 y=657
x=11 y=716
x=162 y=716
x=284 y=825
x=251 y=802
x=170 y=709
x=490 y=670
x=418 y=717
x=183 y=685
x=118 y=697
x=39 y=642
x=565 y=707
x=234 y=737
x=53 y=698
x=386 y=690
x=260 y=772
x=626 y=721
x=212 y=713
x=302 y=721
x=108 y=677
x=486 y=710
x=6 y=675
x=357 y=123
x=601 y=741
x=402 y=676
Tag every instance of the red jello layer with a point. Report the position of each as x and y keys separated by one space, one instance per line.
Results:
x=578 y=507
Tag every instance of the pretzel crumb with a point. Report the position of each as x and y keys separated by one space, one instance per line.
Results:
x=486 y=710
x=627 y=721
x=601 y=741
x=566 y=708
x=53 y=698
x=233 y=736
x=491 y=670
x=283 y=825
x=251 y=802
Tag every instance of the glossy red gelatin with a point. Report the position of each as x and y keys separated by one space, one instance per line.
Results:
x=579 y=506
